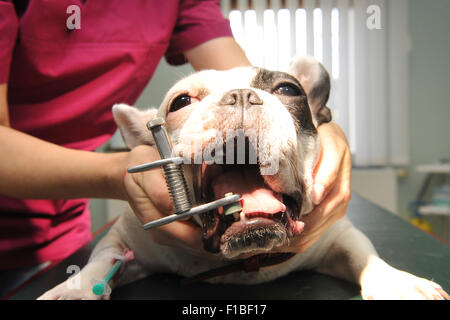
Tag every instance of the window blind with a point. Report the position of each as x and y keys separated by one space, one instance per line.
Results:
x=367 y=62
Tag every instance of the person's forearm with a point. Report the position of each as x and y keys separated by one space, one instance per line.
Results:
x=33 y=168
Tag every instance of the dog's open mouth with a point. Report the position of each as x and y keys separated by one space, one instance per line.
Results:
x=267 y=220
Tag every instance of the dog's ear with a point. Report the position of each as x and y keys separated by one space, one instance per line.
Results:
x=132 y=123
x=315 y=79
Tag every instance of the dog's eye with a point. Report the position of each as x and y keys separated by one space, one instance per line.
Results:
x=180 y=102
x=287 y=89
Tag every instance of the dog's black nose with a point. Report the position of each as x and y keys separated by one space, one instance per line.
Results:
x=241 y=98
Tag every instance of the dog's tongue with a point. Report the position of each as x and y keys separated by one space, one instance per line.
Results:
x=250 y=185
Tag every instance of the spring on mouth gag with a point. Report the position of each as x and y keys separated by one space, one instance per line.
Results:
x=175 y=180
x=177 y=187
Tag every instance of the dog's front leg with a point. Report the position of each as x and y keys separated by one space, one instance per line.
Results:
x=352 y=257
x=105 y=254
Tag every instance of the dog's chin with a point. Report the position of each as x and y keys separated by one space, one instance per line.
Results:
x=255 y=236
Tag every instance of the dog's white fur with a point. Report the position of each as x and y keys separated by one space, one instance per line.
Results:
x=342 y=251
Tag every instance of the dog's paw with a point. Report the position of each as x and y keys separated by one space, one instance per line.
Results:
x=62 y=292
x=68 y=291
x=388 y=283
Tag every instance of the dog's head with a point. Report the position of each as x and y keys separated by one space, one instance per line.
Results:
x=248 y=131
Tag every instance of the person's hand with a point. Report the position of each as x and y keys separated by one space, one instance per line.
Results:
x=148 y=196
x=331 y=189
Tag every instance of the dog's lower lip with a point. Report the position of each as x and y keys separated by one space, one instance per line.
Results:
x=243 y=226
x=293 y=227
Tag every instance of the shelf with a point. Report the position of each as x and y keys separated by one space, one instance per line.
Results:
x=434 y=168
x=434 y=210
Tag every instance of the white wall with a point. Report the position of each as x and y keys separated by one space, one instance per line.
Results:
x=429 y=97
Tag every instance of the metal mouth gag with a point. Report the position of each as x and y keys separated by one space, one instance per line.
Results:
x=176 y=182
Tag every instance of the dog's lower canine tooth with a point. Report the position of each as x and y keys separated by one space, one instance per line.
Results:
x=233 y=208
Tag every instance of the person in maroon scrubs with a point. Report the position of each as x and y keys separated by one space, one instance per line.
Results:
x=57 y=86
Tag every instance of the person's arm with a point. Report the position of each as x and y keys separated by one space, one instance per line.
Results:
x=219 y=54
x=4 y=114
x=33 y=168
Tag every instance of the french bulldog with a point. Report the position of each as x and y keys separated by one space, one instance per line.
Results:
x=275 y=115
